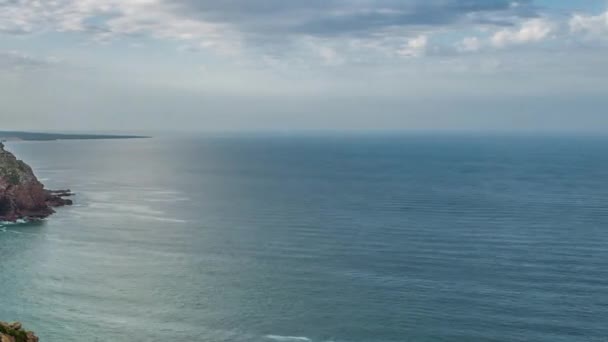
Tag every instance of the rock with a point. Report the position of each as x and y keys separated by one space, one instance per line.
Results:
x=6 y=338
x=55 y=198
x=12 y=332
x=31 y=337
x=22 y=196
x=61 y=193
x=58 y=202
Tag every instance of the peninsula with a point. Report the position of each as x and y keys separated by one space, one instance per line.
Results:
x=35 y=136
x=22 y=196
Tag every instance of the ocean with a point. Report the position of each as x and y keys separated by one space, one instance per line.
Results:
x=315 y=238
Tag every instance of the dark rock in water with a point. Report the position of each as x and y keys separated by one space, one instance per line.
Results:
x=61 y=193
x=22 y=196
x=13 y=332
x=58 y=201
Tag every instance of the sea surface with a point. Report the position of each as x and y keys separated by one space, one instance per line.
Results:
x=294 y=238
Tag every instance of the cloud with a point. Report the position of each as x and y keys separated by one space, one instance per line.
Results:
x=29 y=16
x=415 y=47
x=221 y=23
x=329 y=56
x=346 y=17
x=105 y=19
x=18 y=61
x=594 y=25
x=469 y=44
x=533 y=30
x=343 y=30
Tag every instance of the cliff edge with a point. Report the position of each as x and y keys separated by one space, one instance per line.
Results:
x=22 y=196
x=13 y=332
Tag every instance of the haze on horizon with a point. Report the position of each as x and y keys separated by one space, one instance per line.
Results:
x=526 y=65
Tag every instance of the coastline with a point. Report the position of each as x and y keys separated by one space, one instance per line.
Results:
x=43 y=136
x=14 y=332
x=22 y=195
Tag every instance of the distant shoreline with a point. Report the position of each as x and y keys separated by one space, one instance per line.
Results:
x=36 y=136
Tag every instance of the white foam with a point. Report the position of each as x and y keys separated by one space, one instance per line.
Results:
x=165 y=192
x=160 y=219
x=165 y=196
x=135 y=212
x=166 y=200
x=127 y=208
x=10 y=223
x=107 y=203
x=281 y=338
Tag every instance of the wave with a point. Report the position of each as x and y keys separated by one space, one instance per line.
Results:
x=145 y=207
x=132 y=215
x=167 y=200
x=160 y=219
x=281 y=338
x=11 y=223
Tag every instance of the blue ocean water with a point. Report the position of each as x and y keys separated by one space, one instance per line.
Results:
x=315 y=238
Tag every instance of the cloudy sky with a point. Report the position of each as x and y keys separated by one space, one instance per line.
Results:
x=195 y=65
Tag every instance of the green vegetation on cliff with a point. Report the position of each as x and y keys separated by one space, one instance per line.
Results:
x=14 y=333
x=11 y=169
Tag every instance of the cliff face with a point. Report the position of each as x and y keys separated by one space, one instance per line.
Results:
x=12 y=332
x=22 y=196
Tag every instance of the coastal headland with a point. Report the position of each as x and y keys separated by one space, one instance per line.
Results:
x=36 y=136
x=22 y=195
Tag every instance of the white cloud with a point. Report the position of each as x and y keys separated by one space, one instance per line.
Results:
x=415 y=47
x=593 y=24
x=191 y=26
x=534 y=30
x=20 y=61
x=469 y=44
x=105 y=19
x=329 y=56
x=28 y=16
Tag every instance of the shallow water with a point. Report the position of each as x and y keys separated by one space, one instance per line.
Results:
x=349 y=238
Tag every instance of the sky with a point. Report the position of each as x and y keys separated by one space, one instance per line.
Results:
x=289 y=65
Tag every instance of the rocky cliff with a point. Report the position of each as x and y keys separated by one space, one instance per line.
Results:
x=22 y=196
x=13 y=332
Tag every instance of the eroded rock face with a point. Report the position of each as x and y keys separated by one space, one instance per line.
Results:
x=13 y=332
x=22 y=196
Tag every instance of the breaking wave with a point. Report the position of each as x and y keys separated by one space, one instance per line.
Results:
x=281 y=338
x=10 y=223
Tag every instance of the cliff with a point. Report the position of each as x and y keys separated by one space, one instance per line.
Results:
x=12 y=332
x=22 y=196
